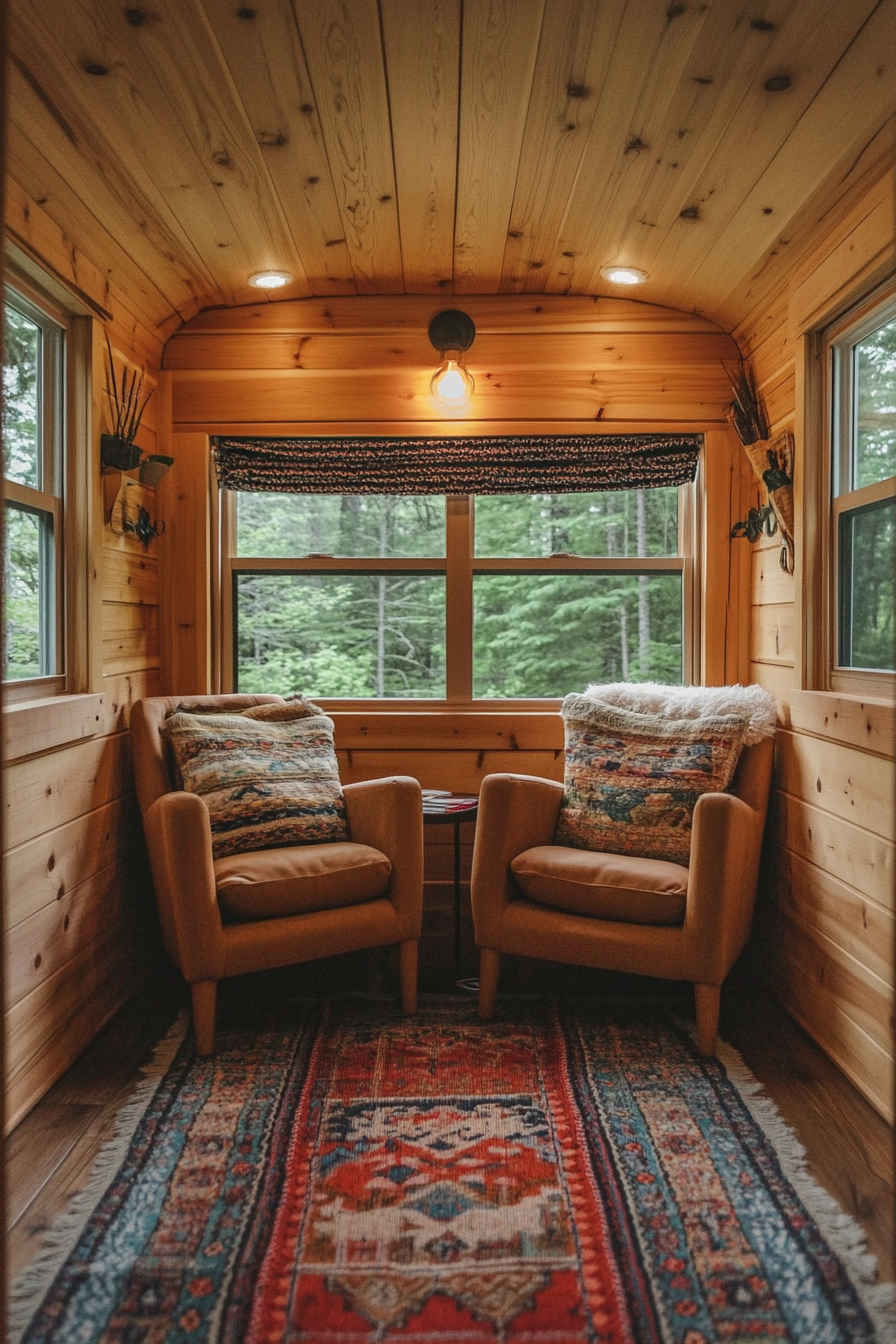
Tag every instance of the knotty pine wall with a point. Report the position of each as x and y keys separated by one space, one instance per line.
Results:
x=79 y=920
x=825 y=925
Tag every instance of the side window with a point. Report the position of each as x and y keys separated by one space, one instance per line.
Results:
x=863 y=431
x=33 y=418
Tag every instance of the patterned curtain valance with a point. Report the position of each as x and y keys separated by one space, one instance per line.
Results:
x=506 y=465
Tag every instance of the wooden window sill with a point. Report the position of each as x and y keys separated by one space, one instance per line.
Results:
x=863 y=721
x=34 y=726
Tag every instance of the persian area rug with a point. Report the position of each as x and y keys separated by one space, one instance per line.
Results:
x=559 y=1175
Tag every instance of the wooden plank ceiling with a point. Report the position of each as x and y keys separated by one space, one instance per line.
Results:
x=438 y=147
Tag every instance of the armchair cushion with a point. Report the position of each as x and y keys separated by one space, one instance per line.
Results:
x=605 y=886
x=265 y=784
x=632 y=780
x=273 y=882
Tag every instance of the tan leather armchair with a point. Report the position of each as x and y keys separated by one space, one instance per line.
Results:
x=274 y=907
x=537 y=899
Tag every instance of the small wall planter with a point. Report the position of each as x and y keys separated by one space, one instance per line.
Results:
x=118 y=454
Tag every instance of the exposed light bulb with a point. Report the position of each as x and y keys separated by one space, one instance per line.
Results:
x=451 y=384
x=623 y=275
x=270 y=279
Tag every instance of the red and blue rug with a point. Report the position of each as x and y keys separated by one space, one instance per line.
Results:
x=559 y=1175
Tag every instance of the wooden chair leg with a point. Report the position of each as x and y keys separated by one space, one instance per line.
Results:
x=407 y=970
x=489 y=970
x=205 y=993
x=707 y=999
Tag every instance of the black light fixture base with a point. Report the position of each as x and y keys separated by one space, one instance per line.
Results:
x=452 y=330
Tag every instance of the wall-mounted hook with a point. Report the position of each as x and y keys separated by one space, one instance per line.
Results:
x=123 y=519
x=143 y=529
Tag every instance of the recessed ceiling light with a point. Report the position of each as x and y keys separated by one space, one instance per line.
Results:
x=270 y=279
x=623 y=275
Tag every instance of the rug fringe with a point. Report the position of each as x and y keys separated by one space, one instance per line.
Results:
x=28 y=1290
x=840 y=1230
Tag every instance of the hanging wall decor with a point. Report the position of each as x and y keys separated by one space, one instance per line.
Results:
x=772 y=461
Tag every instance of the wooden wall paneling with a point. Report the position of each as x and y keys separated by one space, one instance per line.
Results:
x=345 y=63
x=41 y=871
x=868 y=724
x=109 y=902
x=630 y=350
x=130 y=637
x=460 y=771
x=777 y=678
x=422 y=54
x=52 y=1025
x=770 y=584
x=500 y=44
x=184 y=568
x=448 y=731
x=47 y=791
x=721 y=490
x=120 y=692
x=847 y=918
x=574 y=62
x=853 y=785
x=774 y=638
x=396 y=315
x=130 y=578
x=864 y=1061
x=267 y=66
x=215 y=398
x=845 y=851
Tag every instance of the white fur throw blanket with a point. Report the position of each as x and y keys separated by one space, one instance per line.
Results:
x=753 y=704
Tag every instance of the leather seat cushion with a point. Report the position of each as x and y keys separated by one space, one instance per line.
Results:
x=605 y=886
x=268 y=883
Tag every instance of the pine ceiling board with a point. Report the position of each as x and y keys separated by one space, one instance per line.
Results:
x=177 y=44
x=267 y=66
x=829 y=55
x=341 y=41
x=823 y=212
x=390 y=314
x=86 y=167
x=574 y=56
x=653 y=49
x=493 y=353
x=422 y=49
x=123 y=125
x=92 y=236
x=864 y=81
x=500 y=45
x=725 y=60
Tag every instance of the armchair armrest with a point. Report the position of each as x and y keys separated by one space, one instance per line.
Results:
x=179 y=838
x=515 y=813
x=725 y=846
x=388 y=814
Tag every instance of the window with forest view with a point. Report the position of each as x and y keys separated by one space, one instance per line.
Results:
x=864 y=420
x=32 y=424
x=393 y=597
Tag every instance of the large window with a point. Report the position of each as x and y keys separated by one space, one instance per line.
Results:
x=33 y=393
x=863 y=395
x=497 y=597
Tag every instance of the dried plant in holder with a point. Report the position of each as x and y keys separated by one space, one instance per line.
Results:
x=118 y=450
x=771 y=460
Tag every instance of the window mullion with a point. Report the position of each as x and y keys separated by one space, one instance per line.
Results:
x=459 y=597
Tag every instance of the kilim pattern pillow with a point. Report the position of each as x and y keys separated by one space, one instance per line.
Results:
x=266 y=784
x=631 y=781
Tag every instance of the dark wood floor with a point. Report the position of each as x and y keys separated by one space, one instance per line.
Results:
x=49 y=1156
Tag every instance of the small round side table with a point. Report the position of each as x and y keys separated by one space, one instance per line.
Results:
x=441 y=809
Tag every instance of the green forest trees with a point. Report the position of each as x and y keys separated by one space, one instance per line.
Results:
x=24 y=566
x=383 y=634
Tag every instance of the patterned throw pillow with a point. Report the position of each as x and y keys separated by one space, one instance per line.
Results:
x=266 y=783
x=632 y=781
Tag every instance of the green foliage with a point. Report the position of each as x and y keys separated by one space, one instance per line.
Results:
x=384 y=635
x=21 y=373
x=876 y=409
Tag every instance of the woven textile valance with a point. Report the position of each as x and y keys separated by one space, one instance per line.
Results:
x=506 y=465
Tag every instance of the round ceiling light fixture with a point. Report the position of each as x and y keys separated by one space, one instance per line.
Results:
x=623 y=275
x=270 y=279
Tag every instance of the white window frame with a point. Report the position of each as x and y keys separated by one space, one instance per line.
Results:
x=459 y=565
x=838 y=341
